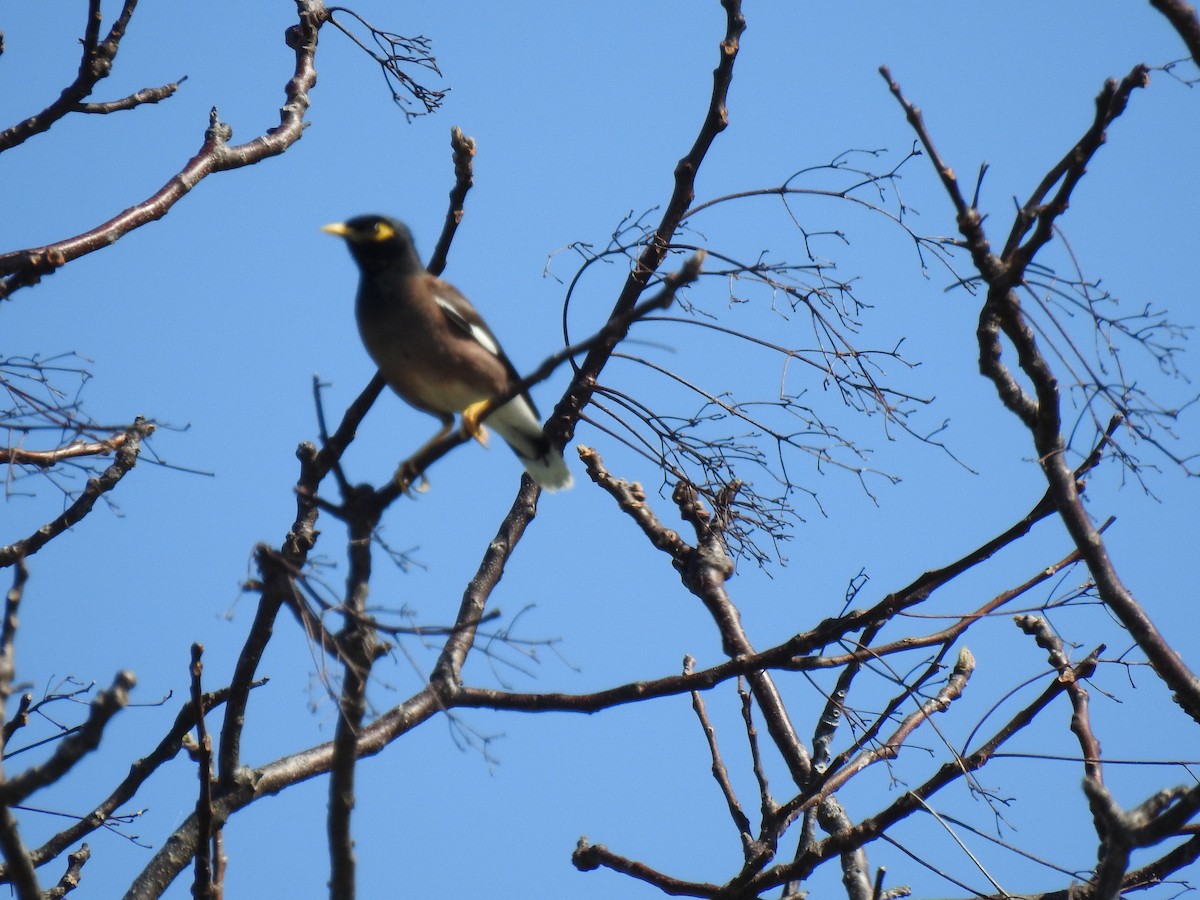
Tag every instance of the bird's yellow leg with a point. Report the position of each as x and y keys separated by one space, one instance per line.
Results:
x=471 y=424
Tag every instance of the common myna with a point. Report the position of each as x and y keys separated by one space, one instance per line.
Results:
x=434 y=350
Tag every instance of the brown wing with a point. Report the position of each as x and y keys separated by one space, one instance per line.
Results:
x=463 y=316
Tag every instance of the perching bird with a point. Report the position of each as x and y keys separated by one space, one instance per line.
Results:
x=433 y=348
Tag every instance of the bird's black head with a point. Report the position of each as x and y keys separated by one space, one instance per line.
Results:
x=378 y=243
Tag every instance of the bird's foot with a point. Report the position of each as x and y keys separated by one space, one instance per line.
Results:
x=404 y=479
x=471 y=425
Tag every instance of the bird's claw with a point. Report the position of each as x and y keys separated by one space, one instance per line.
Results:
x=404 y=477
x=471 y=424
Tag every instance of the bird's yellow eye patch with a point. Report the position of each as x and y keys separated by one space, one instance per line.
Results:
x=383 y=231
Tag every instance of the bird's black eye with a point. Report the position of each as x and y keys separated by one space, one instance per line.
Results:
x=382 y=231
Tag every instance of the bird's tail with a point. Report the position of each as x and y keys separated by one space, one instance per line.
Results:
x=516 y=423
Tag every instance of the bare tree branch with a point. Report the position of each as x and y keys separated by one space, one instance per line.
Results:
x=463 y=148
x=44 y=459
x=358 y=643
x=1001 y=313
x=22 y=268
x=126 y=458
x=588 y=857
x=562 y=422
x=142 y=768
x=94 y=66
x=70 y=878
x=74 y=748
x=204 y=886
x=1183 y=19
x=719 y=771
x=134 y=100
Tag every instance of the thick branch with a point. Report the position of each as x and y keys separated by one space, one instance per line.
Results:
x=203 y=887
x=8 y=637
x=1182 y=17
x=44 y=459
x=357 y=642
x=70 y=878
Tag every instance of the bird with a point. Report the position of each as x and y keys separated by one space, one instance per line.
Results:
x=433 y=348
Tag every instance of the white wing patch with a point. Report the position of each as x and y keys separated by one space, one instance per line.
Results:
x=479 y=334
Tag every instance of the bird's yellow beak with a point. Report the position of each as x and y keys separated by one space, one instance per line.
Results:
x=338 y=228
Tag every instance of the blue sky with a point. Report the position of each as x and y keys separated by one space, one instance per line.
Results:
x=215 y=320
